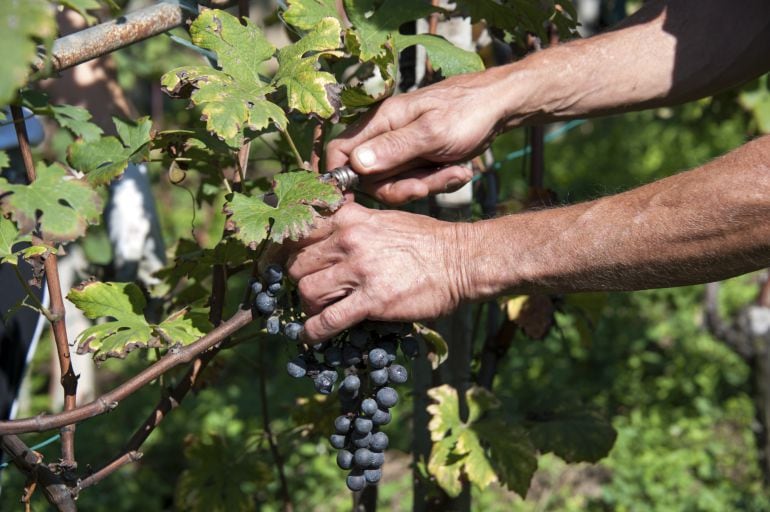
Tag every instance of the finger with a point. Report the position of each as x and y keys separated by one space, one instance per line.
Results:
x=367 y=126
x=313 y=258
x=335 y=318
x=417 y=184
x=324 y=287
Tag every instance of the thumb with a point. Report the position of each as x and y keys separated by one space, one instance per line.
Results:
x=397 y=150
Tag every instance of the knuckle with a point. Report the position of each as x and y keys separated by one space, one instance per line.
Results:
x=330 y=319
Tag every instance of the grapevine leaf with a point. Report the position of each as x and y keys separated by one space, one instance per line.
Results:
x=5 y=162
x=574 y=435
x=480 y=401
x=185 y=327
x=8 y=238
x=512 y=455
x=446 y=466
x=298 y=194
x=104 y=159
x=309 y=90
x=476 y=464
x=495 y=14
x=439 y=350
x=306 y=14
x=443 y=55
x=445 y=411
x=372 y=32
x=56 y=204
x=75 y=119
x=82 y=7
x=124 y=303
x=23 y=24
x=757 y=101
x=232 y=97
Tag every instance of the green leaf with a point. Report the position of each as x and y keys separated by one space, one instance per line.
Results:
x=8 y=238
x=23 y=25
x=306 y=14
x=309 y=90
x=57 y=206
x=82 y=7
x=75 y=119
x=298 y=194
x=443 y=55
x=493 y=13
x=438 y=348
x=574 y=435
x=124 y=303
x=105 y=159
x=757 y=101
x=234 y=96
x=371 y=32
x=5 y=162
x=510 y=452
x=185 y=327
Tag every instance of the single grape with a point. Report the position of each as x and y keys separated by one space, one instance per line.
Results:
x=390 y=348
x=362 y=425
x=356 y=481
x=372 y=476
x=363 y=458
x=342 y=424
x=381 y=417
x=351 y=383
x=331 y=375
x=369 y=406
x=358 y=338
x=274 y=289
x=387 y=397
x=256 y=287
x=378 y=459
x=273 y=325
x=333 y=356
x=272 y=274
x=344 y=459
x=351 y=355
x=337 y=441
x=397 y=374
x=323 y=383
x=292 y=329
x=379 y=377
x=361 y=440
x=265 y=303
x=379 y=442
x=410 y=347
x=297 y=367
x=378 y=358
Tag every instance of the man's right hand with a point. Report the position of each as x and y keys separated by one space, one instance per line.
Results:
x=412 y=145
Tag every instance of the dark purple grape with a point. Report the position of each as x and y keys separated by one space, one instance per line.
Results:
x=351 y=383
x=372 y=476
x=351 y=355
x=397 y=374
x=362 y=425
x=273 y=325
x=379 y=442
x=274 y=289
x=331 y=375
x=387 y=397
x=292 y=329
x=356 y=481
x=344 y=459
x=256 y=287
x=337 y=441
x=378 y=358
x=333 y=356
x=363 y=458
x=342 y=424
x=361 y=441
x=381 y=417
x=379 y=377
x=410 y=347
x=369 y=406
x=272 y=274
x=265 y=303
x=297 y=367
x=378 y=459
x=323 y=383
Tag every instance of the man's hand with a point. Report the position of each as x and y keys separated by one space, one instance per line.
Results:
x=410 y=146
x=380 y=265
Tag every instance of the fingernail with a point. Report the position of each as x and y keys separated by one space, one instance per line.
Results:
x=366 y=157
x=453 y=185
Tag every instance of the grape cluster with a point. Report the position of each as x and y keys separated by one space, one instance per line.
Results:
x=361 y=364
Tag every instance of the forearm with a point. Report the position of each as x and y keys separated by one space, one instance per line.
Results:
x=667 y=53
x=699 y=226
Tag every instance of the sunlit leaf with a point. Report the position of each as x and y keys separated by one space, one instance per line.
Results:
x=438 y=349
x=306 y=14
x=185 y=327
x=443 y=55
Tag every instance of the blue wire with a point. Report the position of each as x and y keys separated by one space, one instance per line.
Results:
x=513 y=155
x=45 y=443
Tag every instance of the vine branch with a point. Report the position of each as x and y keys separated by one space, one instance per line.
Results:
x=69 y=380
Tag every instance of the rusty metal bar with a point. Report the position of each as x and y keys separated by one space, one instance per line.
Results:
x=113 y=35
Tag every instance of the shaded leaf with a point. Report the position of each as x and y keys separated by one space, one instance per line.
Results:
x=309 y=90
x=75 y=119
x=104 y=159
x=5 y=162
x=438 y=349
x=574 y=435
x=56 y=205
x=8 y=237
x=124 y=303
x=298 y=194
x=511 y=453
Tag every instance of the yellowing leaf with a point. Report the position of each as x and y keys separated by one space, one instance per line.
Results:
x=475 y=464
x=306 y=14
x=439 y=350
x=298 y=193
x=445 y=412
x=446 y=466
x=57 y=206
x=309 y=90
